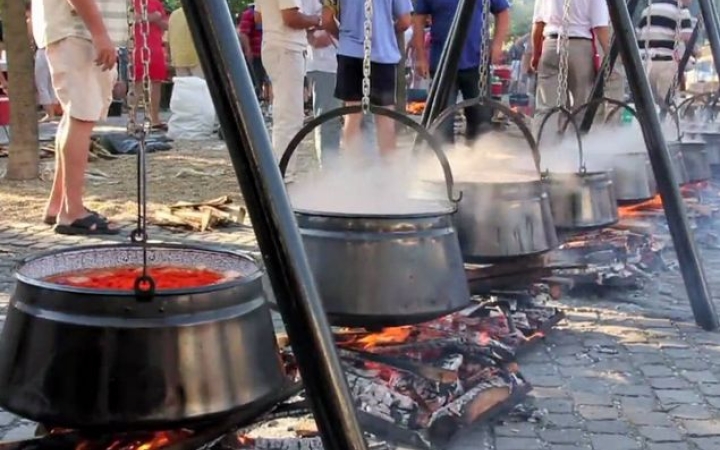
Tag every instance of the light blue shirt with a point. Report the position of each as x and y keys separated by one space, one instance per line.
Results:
x=384 y=43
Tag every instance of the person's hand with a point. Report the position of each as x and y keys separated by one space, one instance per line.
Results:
x=421 y=67
x=534 y=63
x=320 y=39
x=496 y=53
x=105 y=52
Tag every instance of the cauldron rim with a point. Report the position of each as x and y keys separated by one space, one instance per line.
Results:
x=245 y=279
x=448 y=210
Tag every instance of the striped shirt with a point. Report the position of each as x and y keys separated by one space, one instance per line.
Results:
x=657 y=28
x=54 y=20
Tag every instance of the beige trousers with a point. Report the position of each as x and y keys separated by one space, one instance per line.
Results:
x=189 y=71
x=660 y=76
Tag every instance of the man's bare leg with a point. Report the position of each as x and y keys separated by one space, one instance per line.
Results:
x=155 y=93
x=386 y=136
x=52 y=209
x=74 y=147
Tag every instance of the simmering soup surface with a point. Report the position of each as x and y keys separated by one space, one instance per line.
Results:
x=123 y=277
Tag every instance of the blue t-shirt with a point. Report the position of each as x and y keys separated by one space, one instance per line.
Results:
x=352 y=29
x=443 y=13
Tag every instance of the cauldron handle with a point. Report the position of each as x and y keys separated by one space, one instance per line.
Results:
x=515 y=117
x=380 y=111
x=571 y=119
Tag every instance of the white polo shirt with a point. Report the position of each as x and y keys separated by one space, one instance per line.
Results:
x=275 y=33
x=584 y=15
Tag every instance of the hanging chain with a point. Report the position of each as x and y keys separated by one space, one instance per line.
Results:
x=367 y=50
x=676 y=52
x=485 y=60
x=144 y=283
x=607 y=71
x=564 y=51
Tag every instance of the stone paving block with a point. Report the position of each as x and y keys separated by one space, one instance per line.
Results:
x=562 y=436
x=647 y=418
x=516 y=429
x=682 y=396
x=632 y=390
x=699 y=376
x=584 y=398
x=691 y=412
x=702 y=428
x=512 y=443
x=656 y=371
x=711 y=390
x=690 y=364
x=669 y=383
x=660 y=434
x=544 y=381
x=555 y=405
x=595 y=412
x=614 y=442
x=607 y=427
x=666 y=446
x=563 y=421
x=710 y=443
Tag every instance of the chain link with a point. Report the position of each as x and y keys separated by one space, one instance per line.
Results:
x=367 y=50
x=564 y=51
x=677 y=56
x=486 y=60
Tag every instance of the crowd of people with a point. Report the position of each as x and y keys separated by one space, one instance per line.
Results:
x=295 y=45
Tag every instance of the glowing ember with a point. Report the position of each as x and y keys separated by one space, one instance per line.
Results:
x=123 y=278
x=137 y=441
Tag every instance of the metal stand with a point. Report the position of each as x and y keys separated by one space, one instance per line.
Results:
x=598 y=90
x=690 y=265
x=444 y=79
x=262 y=187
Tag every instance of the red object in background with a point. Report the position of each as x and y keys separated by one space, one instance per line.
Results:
x=123 y=278
x=504 y=73
x=497 y=89
x=4 y=111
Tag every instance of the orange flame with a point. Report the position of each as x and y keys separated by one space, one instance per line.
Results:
x=133 y=442
x=654 y=203
x=388 y=336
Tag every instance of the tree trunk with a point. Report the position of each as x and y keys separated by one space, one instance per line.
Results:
x=24 y=153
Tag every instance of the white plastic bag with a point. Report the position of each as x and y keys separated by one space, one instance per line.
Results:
x=193 y=115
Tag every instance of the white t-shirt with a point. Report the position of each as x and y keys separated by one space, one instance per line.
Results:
x=275 y=33
x=319 y=59
x=584 y=15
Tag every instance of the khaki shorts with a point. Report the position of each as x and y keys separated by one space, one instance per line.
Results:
x=83 y=89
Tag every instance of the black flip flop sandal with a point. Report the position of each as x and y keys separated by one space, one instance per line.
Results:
x=52 y=220
x=90 y=225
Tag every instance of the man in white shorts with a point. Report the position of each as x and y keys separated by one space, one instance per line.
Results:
x=81 y=38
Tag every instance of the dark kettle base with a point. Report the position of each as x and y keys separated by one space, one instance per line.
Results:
x=633 y=201
x=503 y=259
x=239 y=416
x=584 y=228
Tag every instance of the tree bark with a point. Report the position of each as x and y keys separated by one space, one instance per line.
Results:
x=23 y=163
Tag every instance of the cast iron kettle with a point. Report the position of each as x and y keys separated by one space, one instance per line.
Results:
x=376 y=270
x=502 y=220
x=88 y=358
x=579 y=200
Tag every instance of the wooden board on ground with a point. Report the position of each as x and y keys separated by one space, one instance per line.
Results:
x=201 y=216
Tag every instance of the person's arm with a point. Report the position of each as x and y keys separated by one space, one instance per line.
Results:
x=328 y=21
x=501 y=10
x=418 y=41
x=402 y=13
x=600 y=23
x=293 y=18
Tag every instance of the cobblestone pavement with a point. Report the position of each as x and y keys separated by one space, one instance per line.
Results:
x=625 y=372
